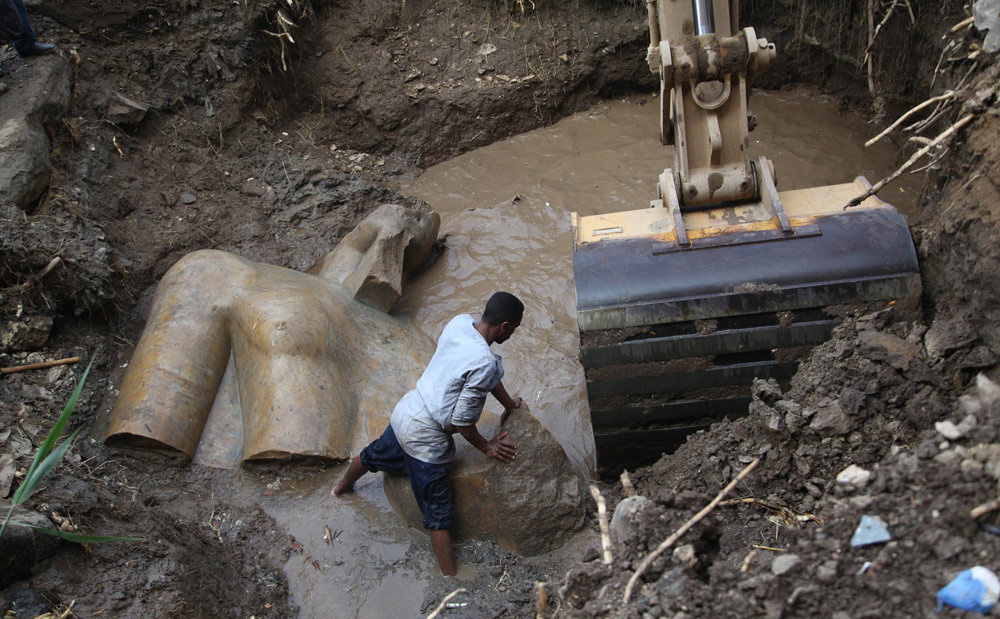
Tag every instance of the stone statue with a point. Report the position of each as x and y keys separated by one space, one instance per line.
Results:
x=247 y=361
x=241 y=360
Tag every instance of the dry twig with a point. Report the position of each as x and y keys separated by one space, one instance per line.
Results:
x=38 y=366
x=540 y=607
x=947 y=95
x=962 y=25
x=985 y=508
x=55 y=262
x=909 y=9
x=871 y=39
x=602 y=518
x=787 y=516
x=627 y=484
x=947 y=133
x=685 y=528
x=447 y=598
x=937 y=67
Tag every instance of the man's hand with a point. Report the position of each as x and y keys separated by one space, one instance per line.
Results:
x=499 y=449
x=507 y=411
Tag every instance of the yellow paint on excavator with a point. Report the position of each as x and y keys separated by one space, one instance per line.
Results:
x=802 y=206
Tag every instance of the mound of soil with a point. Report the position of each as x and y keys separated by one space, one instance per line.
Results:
x=869 y=397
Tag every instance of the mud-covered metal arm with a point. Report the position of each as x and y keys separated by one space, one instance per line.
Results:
x=705 y=64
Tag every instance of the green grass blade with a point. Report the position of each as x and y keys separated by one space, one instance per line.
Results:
x=24 y=490
x=79 y=538
x=36 y=477
x=6 y=520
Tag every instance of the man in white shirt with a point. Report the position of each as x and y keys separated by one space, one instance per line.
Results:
x=448 y=398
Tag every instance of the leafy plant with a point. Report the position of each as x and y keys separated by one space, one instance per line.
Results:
x=46 y=458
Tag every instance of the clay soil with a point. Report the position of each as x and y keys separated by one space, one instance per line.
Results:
x=273 y=149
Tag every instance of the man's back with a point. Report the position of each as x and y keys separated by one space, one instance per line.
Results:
x=451 y=391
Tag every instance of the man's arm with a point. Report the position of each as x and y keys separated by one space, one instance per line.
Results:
x=495 y=448
x=509 y=404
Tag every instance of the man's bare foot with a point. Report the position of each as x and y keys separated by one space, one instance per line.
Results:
x=353 y=473
x=341 y=488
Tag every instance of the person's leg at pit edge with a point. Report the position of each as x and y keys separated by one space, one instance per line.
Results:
x=27 y=44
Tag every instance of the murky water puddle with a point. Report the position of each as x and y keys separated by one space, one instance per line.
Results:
x=505 y=210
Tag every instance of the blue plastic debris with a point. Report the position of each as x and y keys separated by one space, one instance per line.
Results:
x=871 y=530
x=975 y=589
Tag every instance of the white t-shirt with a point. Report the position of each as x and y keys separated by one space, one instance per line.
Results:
x=451 y=392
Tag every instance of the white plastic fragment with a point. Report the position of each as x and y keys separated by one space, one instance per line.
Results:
x=975 y=589
x=855 y=476
x=871 y=530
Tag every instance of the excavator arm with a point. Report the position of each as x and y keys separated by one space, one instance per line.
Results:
x=722 y=279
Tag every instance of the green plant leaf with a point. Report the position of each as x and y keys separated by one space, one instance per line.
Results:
x=79 y=538
x=32 y=482
x=24 y=490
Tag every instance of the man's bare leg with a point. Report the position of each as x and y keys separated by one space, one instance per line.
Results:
x=354 y=472
x=441 y=543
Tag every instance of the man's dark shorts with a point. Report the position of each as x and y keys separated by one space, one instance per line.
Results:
x=430 y=482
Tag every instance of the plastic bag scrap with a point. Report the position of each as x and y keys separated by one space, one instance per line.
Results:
x=871 y=530
x=975 y=589
x=986 y=16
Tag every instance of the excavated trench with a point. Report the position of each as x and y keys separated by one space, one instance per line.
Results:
x=282 y=163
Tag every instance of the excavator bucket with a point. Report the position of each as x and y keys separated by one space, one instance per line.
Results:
x=678 y=313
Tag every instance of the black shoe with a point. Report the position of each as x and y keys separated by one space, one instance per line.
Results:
x=37 y=49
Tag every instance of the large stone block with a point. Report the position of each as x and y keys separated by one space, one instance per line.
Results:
x=38 y=96
x=530 y=506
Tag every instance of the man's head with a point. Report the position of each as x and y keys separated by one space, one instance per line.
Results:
x=503 y=311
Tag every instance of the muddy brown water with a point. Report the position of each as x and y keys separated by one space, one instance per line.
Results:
x=505 y=210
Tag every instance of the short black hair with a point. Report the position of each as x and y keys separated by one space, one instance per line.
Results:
x=503 y=307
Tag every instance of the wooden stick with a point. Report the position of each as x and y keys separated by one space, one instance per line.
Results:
x=937 y=67
x=871 y=40
x=913 y=111
x=540 y=608
x=917 y=155
x=446 y=599
x=48 y=269
x=627 y=484
x=985 y=508
x=909 y=9
x=685 y=527
x=602 y=518
x=937 y=159
x=39 y=366
x=965 y=23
